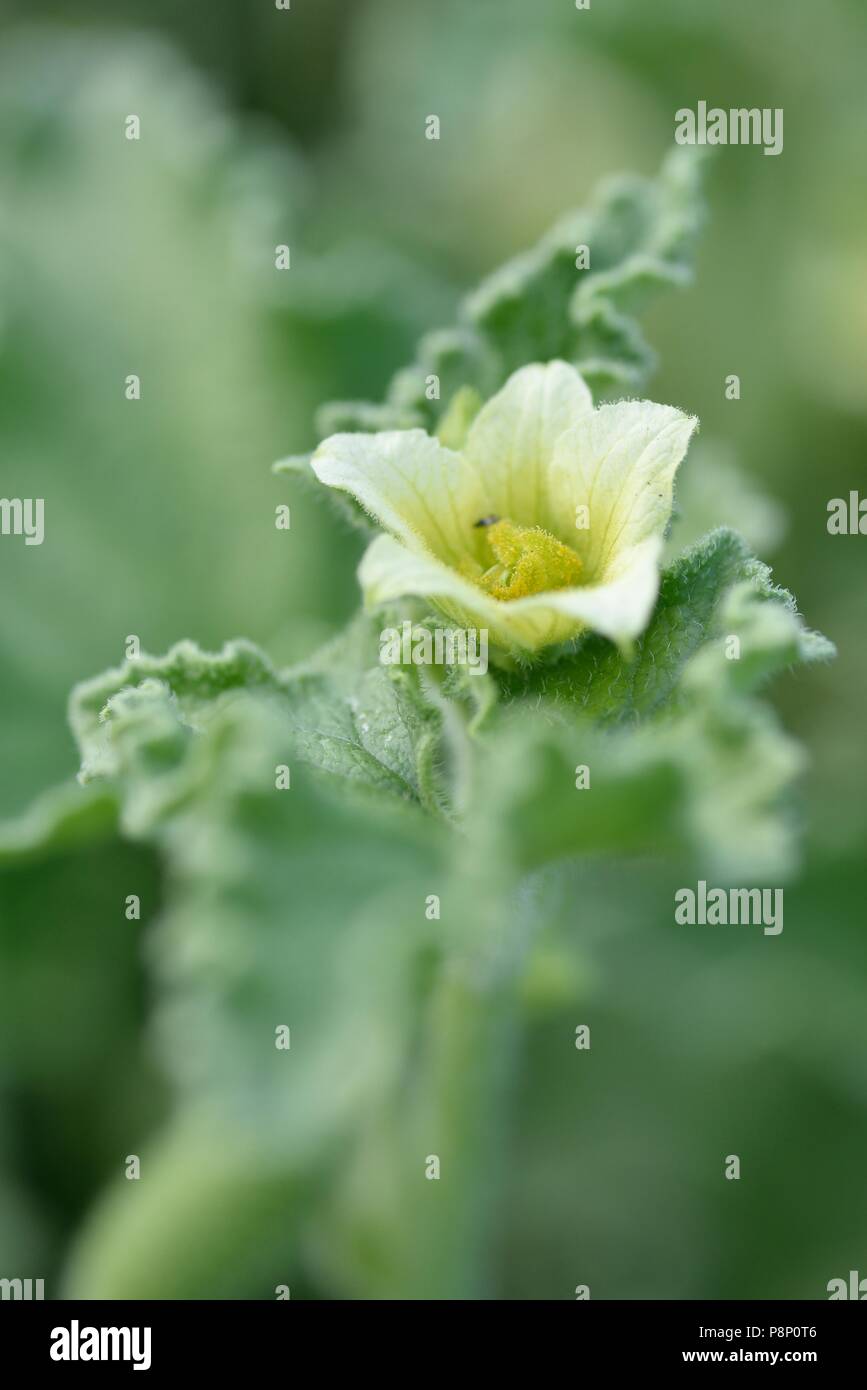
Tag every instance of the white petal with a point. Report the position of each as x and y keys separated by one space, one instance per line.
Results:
x=620 y=606
x=511 y=441
x=619 y=609
x=421 y=492
x=619 y=462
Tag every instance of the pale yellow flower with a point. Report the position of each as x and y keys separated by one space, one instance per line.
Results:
x=548 y=521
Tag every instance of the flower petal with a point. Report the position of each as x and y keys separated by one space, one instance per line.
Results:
x=618 y=609
x=619 y=462
x=421 y=492
x=511 y=441
x=620 y=606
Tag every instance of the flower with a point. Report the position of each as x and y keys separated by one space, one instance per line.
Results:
x=547 y=522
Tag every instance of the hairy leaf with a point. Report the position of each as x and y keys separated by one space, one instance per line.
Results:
x=714 y=590
x=542 y=305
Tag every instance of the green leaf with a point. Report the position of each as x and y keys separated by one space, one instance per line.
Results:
x=296 y=908
x=62 y=818
x=715 y=589
x=372 y=724
x=681 y=758
x=641 y=234
x=346 y=715
x=287 y=908
x=711 y=786
x=195 y=681
x=284 y=903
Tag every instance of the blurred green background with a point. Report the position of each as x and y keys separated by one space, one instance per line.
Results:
x=156 y=257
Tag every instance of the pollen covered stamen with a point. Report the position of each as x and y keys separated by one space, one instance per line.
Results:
x=529 y=560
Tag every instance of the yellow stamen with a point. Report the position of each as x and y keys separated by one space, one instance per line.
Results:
x=530 y=561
